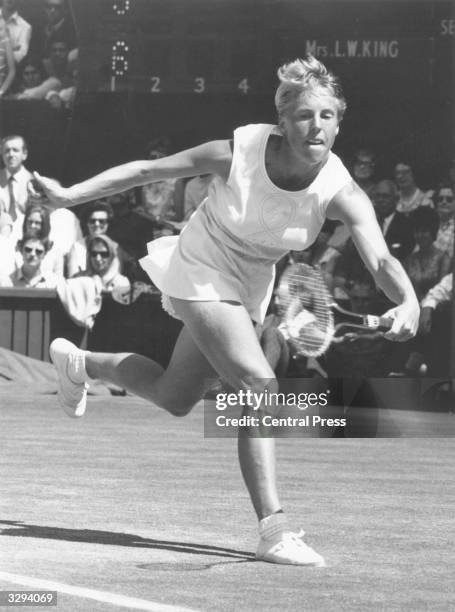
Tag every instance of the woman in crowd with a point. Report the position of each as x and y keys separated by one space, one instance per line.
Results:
x=102 y=261
x=445 y=207
x=37 y=223
x=411 y=196
x=274 y=187
x=30 y=76
x=427 y=264
x=96 y=218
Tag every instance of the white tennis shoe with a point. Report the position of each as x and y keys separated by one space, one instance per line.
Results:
x=279 y=545
x=72 y=395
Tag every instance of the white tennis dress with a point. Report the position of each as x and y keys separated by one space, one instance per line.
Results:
x=228 y=249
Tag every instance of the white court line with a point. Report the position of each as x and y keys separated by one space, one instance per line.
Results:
x=103 y=596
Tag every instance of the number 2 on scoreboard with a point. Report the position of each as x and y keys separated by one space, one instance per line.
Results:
x=156 y=84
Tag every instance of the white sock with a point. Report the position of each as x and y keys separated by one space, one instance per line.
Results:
x=76 y=367
x=272 y=525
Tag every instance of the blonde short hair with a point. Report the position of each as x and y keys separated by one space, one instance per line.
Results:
x=303 y=75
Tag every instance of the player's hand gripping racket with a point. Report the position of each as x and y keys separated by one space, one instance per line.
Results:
x=311 y=319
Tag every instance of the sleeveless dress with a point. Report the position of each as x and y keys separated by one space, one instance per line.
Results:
x=228 y=249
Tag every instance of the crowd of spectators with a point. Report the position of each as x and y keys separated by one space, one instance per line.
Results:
x=38 y=61
x=42 y=247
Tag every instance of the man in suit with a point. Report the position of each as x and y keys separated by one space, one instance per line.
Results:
x=58 y=25
x=395 y=226
x=14 y=180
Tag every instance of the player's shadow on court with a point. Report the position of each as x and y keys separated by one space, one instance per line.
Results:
x=111 y=538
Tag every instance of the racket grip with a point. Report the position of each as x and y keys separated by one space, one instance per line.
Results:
x=379 y=323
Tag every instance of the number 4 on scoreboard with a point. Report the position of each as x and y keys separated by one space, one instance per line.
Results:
x=244 y=86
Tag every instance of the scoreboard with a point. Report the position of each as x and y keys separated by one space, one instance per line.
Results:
x=235 y=46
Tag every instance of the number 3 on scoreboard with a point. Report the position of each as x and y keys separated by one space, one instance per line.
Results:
x=156 y=84
x=199 y=85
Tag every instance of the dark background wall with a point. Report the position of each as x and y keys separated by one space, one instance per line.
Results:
x=395 y=59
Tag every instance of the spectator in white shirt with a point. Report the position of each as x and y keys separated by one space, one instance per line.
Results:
x=7 y=246
x=440 y=293
x=20 y=31
x=7 y=63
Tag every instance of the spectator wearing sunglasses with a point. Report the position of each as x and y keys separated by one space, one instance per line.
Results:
x=102 y=261
x=96 y=217
x=363 y=169
x=30 y=274
x=37 y=223
x=445 y=207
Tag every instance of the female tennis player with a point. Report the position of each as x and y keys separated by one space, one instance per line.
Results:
x=274 y=186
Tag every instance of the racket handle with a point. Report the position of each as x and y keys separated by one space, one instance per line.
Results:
x=379 y=323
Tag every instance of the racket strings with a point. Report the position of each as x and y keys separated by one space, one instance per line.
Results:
x=308 y=316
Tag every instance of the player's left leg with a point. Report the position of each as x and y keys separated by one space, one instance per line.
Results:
x=225 y=334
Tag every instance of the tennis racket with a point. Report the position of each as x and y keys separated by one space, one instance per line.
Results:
x=311 y=319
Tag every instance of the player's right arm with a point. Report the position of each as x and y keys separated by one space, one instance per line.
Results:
x=213 y=157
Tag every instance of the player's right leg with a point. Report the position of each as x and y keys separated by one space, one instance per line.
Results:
x=176 y=389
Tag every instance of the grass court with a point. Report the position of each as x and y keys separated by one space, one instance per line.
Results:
x=129 y=508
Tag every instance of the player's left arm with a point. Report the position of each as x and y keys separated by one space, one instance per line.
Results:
x=352 y=206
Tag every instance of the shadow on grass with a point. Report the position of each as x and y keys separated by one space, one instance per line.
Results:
x=110 y=538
